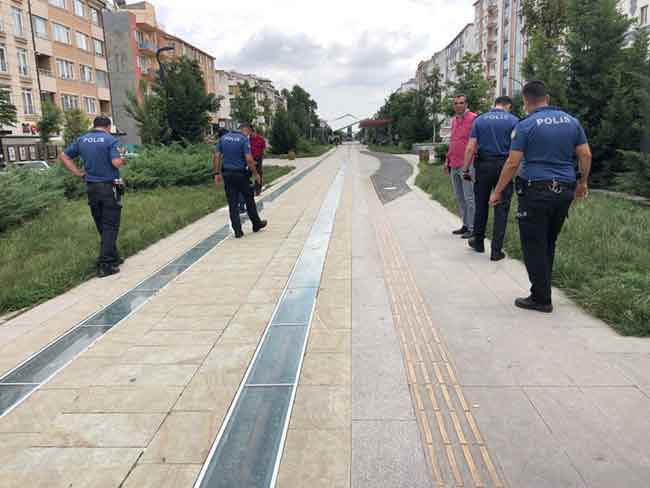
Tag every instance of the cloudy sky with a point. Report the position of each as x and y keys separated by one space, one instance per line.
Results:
x=349 y=54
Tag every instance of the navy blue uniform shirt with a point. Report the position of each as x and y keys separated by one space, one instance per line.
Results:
x=493 y=131
x=234 y=146
x=97 y=150
x=548 y=138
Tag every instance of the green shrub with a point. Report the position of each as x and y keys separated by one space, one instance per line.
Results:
x=284 y=135
x=441 y=151
x=636 y=179
x=25 y=194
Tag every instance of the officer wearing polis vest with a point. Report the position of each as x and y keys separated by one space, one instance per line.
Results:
x=548 y=141
x=490 y=138
x=232 y=163
x=98 y=150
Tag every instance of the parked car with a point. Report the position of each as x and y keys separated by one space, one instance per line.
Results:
x=32 y=165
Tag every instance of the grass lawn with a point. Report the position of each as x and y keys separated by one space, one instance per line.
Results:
x=387 y=149
x=57 y=250
x=603 y=257
x=315 y=151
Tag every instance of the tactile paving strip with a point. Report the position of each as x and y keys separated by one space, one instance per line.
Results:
x=454 y=446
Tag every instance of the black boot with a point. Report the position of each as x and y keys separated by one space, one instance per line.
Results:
x=497 y=256
x=239 y=234
x=530 y=304
x=477 y=244
x=260 y=226
x=107 y=270
x=460 y=231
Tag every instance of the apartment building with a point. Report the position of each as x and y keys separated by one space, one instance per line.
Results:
x=18 y=73
x=70 y=54
x=227 y=85
x=637 y=9
x=446 y=59
x=133 y=39
x=424 y=71
x=486 y=20
x=408 y=86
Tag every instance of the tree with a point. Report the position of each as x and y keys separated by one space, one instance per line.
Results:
x=546 y=25
x=244 y=109
x=267 y=111
x=50 y=122
x=471 y=83
x=8 y=114
x=186 y=100
x=150 y=114
x=301 y=109
x=284 y=134
x=76 y=124
x=595 y=46
x=433 y=91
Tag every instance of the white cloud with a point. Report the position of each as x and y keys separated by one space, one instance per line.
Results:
x=348 y=54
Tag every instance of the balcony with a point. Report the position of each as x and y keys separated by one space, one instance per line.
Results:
x=147 y=47
x=47 y=79
x=103 y=94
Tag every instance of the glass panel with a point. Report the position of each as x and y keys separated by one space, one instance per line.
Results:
x=248 y=449
x=215 y=238
x=12 y=394
x=55 y=356
x=120 y=308
x=277 y=363
x=295 y=307
x=161 y=278
x=191 y=256
x=308 y=270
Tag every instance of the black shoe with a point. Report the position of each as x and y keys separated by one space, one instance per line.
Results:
x=106 y=271
x=239 y=234
x=497 y=256
x=260 y=226
x=477 y=244
x=530 y=304
x=460 y=231
x=242 y=210
x=467 y=235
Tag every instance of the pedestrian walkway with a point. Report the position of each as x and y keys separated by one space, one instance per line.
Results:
x=355 y=343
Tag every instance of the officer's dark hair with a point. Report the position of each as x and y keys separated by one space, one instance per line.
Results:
x=221 y=132
x=504 y=101
x=460 y=95
x=102 y=122
x=535 y=91
x=246 y=125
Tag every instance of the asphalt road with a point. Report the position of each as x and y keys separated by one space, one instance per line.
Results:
x=391 y=177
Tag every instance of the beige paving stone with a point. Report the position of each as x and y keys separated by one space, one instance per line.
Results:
x=198 y=311
x=84 y=371
x=163 y=476
x=207 y=393
x=69 y=467
x=184 y=438
x=216 y=324
x=102 y=430
x=332 y=318
x=273 y=282
x=264 y=295
x=38 y=411
x=180 y=354
x=107 y=348
x=326 y=369
x=184 y=338
x=140 y=399
x=238 y=333
x=227 y=362
x=322 y=408
x=316 y=459
x=325 y=340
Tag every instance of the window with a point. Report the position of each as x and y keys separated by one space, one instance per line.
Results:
x=79 y=8
x=39 y=25
x=85 y=73
x=99 y=47
x=28 y=101
x=66 y=69
x=90 y=104
x=644 y=15
x=61 y=33
x=17 y=15
x=102 y=78
x=95 y=16
x=4 y=67
x=83 y=41
x=23 y=65
x=58 y=3
x=68 y=102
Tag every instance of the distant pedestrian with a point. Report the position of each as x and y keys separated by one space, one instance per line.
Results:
x=490 y=142
x=233 y=164
x=98 y=150
x=463 y=188
x=258 y=148
x=547 y=142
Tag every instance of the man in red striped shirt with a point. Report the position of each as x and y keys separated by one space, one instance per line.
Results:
x=463 y=183
x=258 y=146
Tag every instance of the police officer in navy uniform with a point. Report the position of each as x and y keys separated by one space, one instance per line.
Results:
x=490 y=138
x=98 y=150
x=548 y=141
x=233 y=164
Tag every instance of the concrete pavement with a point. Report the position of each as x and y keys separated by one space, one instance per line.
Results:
x=417 y=370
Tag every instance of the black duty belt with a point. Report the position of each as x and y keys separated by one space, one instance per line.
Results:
x=94 y=183
x=551 y=185
x=491 y=159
